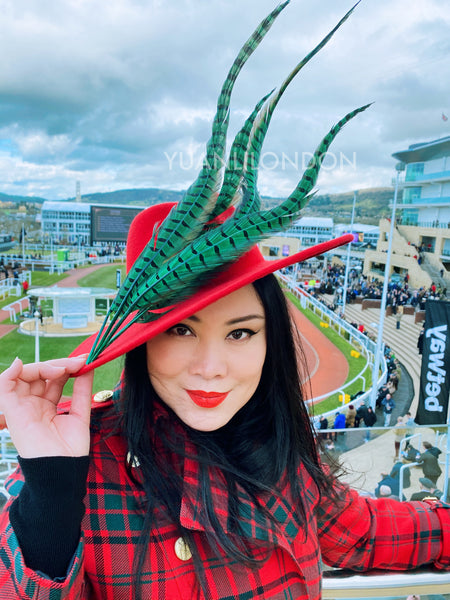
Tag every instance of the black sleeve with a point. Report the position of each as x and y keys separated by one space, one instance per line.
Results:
x=46 y=516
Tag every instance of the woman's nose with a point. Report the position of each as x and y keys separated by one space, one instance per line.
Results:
x=208 y=360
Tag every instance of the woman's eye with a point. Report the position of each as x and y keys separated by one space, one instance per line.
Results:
x=241 y=334
x=179 y=330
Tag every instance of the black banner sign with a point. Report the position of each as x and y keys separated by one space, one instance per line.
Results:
x=435 y=373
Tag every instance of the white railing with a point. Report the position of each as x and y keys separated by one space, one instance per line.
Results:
x=355 y=338
x=53 y=265
x=9 y=288
x=388 y=584
x=11 y=308
x=8 y=459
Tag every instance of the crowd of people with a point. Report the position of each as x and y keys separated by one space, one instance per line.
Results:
x=427 y=461
x=354 y=417
x=9 y=269
x=359 y=285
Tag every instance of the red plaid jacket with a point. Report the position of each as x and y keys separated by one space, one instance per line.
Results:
x=361 y=534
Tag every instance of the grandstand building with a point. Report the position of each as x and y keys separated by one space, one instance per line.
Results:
x=66 y=222
x=366 y=236
x=421 y=240
x=306 y=231
x=82 y=223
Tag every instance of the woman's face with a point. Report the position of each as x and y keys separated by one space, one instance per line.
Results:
x=207 y=367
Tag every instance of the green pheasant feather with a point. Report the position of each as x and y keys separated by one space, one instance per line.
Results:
x=246 y=161
x=189 y=217
x=184 y=253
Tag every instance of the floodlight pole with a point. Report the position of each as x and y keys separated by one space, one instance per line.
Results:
x=37 y=317
x=23 y=245
x=52 y=268
x=373 y=397
x=347 y=266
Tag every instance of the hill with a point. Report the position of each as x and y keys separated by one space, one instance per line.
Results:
x=371 y=204
x=136 y=197
x=21 y=199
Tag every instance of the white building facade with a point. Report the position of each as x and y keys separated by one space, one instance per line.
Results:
x=426 y=191
x=311 y=230
x=367 y=235
x=66 y=222
x=421 y=236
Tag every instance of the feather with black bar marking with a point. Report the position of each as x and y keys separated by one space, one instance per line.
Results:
x=183 y=254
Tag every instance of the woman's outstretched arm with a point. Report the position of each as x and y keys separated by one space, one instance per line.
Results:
x=53 y=449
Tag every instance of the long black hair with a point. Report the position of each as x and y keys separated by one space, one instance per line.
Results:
x=259 y=450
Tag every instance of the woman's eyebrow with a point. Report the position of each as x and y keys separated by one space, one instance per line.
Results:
x=244 y=318
x=231 y=321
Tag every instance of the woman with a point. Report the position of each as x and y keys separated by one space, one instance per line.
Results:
x=199 y=476
x=203 y=475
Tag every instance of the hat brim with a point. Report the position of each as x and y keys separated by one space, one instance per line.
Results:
x=250 y=267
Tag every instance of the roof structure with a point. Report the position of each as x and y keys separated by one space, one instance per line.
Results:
x=424 y=151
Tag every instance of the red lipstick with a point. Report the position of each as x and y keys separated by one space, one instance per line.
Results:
x=206 y=399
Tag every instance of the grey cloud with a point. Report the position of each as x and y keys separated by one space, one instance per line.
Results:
x=113 y=88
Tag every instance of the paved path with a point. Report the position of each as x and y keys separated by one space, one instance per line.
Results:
x=4 y=329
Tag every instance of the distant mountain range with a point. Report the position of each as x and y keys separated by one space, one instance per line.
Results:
x=371 y=204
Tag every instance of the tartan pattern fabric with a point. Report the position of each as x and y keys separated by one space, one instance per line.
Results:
x=360 y=534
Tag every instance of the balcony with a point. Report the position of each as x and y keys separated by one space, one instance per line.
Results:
x=424 y=201
x=427 y=177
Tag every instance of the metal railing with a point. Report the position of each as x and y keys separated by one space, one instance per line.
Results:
x=354 y=337
x=386 y=584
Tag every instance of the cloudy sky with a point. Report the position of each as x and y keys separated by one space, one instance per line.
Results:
x=121 y=93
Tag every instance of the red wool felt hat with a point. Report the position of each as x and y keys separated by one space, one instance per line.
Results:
x=248 y=268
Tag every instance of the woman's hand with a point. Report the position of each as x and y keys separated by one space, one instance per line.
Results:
x=29 y=395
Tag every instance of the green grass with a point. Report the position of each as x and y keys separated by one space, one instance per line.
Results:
x=16 y=344
x=104 y=277
x=355 y=365
x=44 y=278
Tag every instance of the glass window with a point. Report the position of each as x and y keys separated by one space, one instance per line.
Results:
x=411 y=194
x=414 y=171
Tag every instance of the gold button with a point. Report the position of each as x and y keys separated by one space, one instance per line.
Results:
x=132 y=460
x=103 y=396
x=182 y=549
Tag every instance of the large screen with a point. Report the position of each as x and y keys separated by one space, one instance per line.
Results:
x=111 y=224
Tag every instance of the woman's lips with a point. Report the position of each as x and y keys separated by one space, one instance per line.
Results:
x=206 y=399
